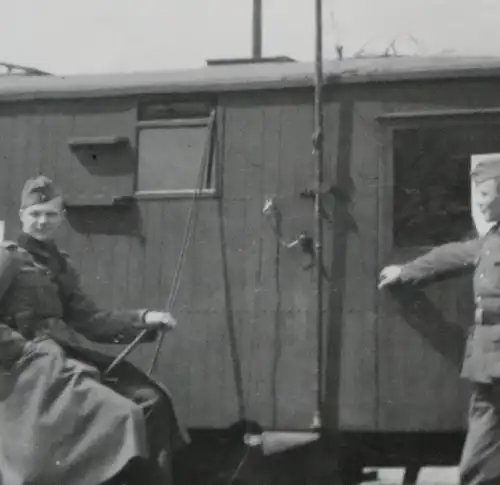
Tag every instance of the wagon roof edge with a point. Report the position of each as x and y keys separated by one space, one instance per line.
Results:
x=246 y=77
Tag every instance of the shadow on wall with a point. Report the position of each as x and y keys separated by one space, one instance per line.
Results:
x=343 y=224
x=427 y=319
x=110 y=221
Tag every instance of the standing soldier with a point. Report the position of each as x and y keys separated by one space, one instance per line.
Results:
x=480 y=462
x=61 y=420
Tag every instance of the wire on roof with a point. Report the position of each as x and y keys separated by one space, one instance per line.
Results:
x=18 y=70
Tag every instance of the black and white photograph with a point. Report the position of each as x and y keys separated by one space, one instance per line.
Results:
x=249 y=242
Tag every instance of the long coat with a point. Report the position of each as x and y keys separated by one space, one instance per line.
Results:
x=59 y=423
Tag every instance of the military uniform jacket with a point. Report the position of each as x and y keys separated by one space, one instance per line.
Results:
x=482 y=257
x=35 y=302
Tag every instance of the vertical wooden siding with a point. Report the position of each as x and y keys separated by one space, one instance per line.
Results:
x=240 y=357
x=246 y=343
x=236 y=353
x=386 y=371
x=232 y=355
x=421 y=335
x=351 y=371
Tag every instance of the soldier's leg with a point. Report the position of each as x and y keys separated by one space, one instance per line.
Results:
x=137 y=472
x=480 y=462
x=160 y=420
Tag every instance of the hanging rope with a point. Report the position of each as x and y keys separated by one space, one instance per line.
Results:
x=188 y=232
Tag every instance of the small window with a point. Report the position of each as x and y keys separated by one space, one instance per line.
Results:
x=432 y=189
x=176 y=144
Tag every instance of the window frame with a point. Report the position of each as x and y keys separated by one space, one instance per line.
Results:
x=389 y=123
x=210 y=157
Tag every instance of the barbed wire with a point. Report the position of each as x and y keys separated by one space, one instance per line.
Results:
x=10 y=69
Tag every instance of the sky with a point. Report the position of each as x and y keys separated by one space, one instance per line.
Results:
x=92 y=36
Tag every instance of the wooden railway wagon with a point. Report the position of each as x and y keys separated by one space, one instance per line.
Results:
x=383 y=374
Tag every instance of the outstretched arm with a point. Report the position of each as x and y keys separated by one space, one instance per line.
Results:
x=451 y=258
x=81 y=312
x=456 y=257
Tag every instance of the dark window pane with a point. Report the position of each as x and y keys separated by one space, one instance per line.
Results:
x=170 y=158
x=432 y=183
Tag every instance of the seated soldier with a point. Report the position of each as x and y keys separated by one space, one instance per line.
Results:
x=62 y=420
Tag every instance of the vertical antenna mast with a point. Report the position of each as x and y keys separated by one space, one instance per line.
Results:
x=257 y=29
x=318 y=155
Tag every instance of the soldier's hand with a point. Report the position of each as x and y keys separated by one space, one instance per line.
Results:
x=389 y=275
x=160 y=320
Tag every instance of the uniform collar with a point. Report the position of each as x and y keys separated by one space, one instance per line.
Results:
x=43 y=252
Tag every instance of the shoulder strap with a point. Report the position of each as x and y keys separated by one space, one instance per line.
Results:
x=10 y=265
x=61 y=277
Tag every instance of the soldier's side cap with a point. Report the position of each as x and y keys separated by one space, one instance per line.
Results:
x=39 y=191
x=488 y=167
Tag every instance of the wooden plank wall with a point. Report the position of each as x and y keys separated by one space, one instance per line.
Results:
x=421 y=334
x=33 y=140
x=248 y=337
x=390 y=364
x=351 y=367
x=246 y=343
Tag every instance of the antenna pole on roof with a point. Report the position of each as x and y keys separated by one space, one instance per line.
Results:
x=257 y=29
x=318 y=229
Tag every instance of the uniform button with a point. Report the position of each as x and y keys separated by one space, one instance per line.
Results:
x=481 y=275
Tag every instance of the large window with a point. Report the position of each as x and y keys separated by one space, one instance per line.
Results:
x=176 y=145
x=432 y=189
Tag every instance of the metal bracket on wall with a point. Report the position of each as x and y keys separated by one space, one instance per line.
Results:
x=98 y=141
x=308 y=194
x=123 y=200
x=334 y=190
